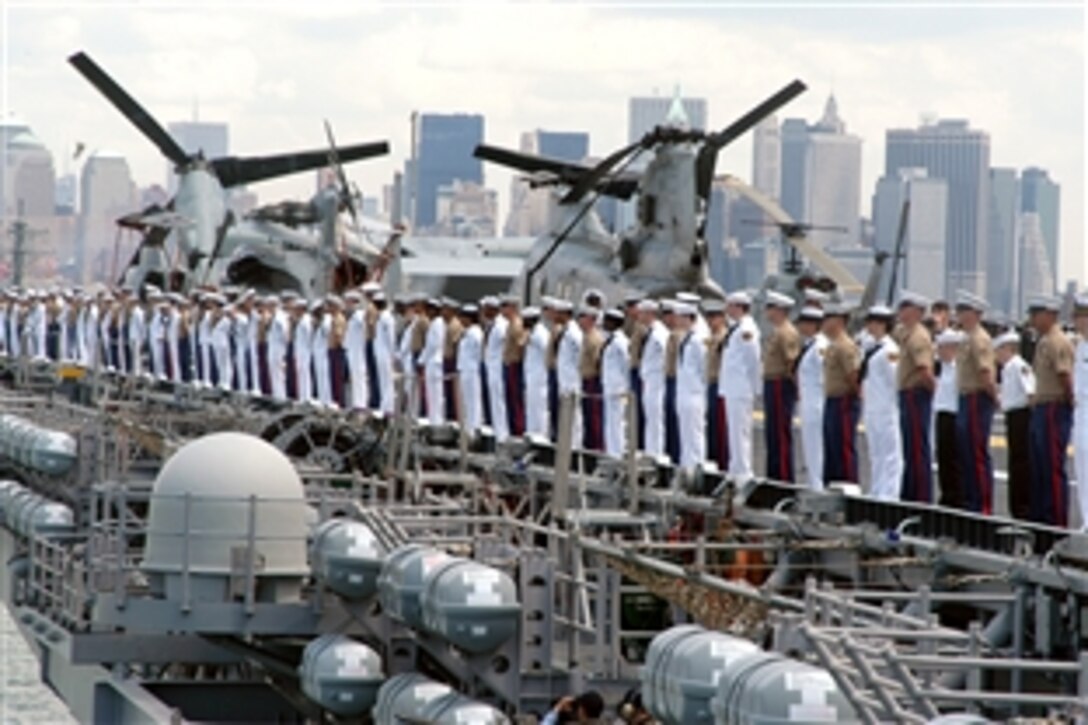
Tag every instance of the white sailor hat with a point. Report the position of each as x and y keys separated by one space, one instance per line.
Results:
x=334 y=300
x=913 y=299
x=812 y=314
x=777 y=299
x=586 y=310
x=369 y=288
x=289 y=295
x=1044 y=303
x=713 y=307
x=433 y=302
x=548 y=302
x=564 y=306
x=489 y=301
x=272 y=300
x=217 y=299
x=531 y=312
x=669 y=306
x=689 y=297
x=685 y=309
x=1080 y=305
x=879 y=312
x=633 y=298
x=648 y=305
x=615 y=314
x=378 y=296
x=450 y=303
x=316 y=305
x=469 y=309
x=812 y=294
x=739 y=298
x=949 y=337
x=966 y=300
x=509 y=299
x=353 y=296
x=1007 y=338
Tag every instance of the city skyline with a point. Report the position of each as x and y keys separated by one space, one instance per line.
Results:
x=274 y=100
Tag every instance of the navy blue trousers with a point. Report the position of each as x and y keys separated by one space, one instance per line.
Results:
x=717 y=431
x=592 y=415
x=374 y=395
x=973 y=421
x=672 y=422
x=52 y=341
x=485 y=394
x=779 y=398
x=514 y=386
x=264 y=375
x=553 y=403
x=1051 y=424
x=449 y=392
x=915 y=414
x=640 y=414
x=841 y=439
x=338 y=375
x=185 y=354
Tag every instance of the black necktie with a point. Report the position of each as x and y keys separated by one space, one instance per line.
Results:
x=804 y=349
x=865 y=361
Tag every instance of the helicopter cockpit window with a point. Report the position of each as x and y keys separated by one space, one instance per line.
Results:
x=647 y=209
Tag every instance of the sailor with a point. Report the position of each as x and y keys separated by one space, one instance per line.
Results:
x=946 y=404
x=258 y=324
x=454 y=330
x=107 y=333
x=370 y=314
x=717 y=437
x=289 y=305
x=384 y=346
x=690 y=388
x=513 y=372
x=841 y=365
x=1016 y=387
x=914 y=379
x=636 y=333
x=222 y=324
x=5 y=305
x=536 y=372
x=430 y=359
x=37 y=327
x=355 y=351
x=940 y=313
x=700 y=329
x=494 y=342
x=672 y=353
x=780 y=351
x=14 y=330
x=413 y=338
x=739 y=383
x=814 y=299
x=176 y=345
x=1080 y=410
x=589 y=370
x=469 y=359
x=302 y=340
x=137 y=337
x=808 y=371
x=615 y=383
x=880 y=406
x=567 y=367
x=406 y=316
x=156 y=335
x=322 y=320
x=276 y=339
x=338 y=361
x=594 y=298
x=56 y=332
x=240 y=342
x=1051 y=413
x=555 y=310
x=975 y=373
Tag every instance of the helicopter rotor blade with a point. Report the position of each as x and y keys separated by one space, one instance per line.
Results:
x=236 y=170
x=334 y=161
x=590 y=181
x=708 y=154
x=128 y=106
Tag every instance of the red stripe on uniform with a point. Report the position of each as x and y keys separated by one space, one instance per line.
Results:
x=1056 y=464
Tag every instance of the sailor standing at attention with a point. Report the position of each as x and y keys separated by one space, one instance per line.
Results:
x=469 y=359
x=277 y=338
x=413 y=365
x=355 y=350
x=636 y=334
x=615 y=383
x=691 y=389
x=1080 y=410
x=1051 y=413
x=337 y=357
x=915 y=381
x=320 y=352
x=454 y=330
x=536 y=372
x=672 y=352
x=717 y=440
x=809 y=372
x=431 y=358
x=738 y=382
x=652 y=375
x=302 y=341
x=513 y=370
x=589 y=370
x=946 y=403
x=975 y=378
x=780 y=351
x=494 y=343
x=567 y=370
x=553 y=314
x=841 y=365
x=880 y=406
x=1017 y=386
x=385 y=336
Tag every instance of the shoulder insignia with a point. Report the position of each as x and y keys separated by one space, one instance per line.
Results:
x=893 y=356
x=746 y=336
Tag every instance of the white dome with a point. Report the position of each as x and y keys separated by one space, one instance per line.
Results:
x=222 y=475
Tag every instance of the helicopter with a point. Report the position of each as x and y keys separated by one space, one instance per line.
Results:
x=264 y=250
x=665 y=252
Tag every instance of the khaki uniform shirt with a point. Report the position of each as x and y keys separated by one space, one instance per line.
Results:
x=780 y=351
x=419 y=334
x=589 y=365
x=454 y=331
x=915 y=353
x=1053 y=359
x=635 y=337
x=672 y=353
x=513 y=346
x=714 y=344
x=841 y=364
x=975 y=358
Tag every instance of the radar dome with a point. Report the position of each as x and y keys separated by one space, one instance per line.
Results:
x=214 y=496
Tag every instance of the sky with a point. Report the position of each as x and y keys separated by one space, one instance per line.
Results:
x=274 y=69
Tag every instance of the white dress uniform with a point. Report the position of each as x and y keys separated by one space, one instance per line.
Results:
x=240 y=332
x=36 y=329
x=303 y=352
x=569 y=376
x=4 y=328
x=496 y=387
x=220 y=342
x=810 y=389
x=14 y=333
x=204 y=328
x=320 y=351
x=173 y=340
x=740 y=379
x=104 y=323
x=137 y=336
x=880 y=416
x=355 y=348
x=1080 y=427
x=384 y=346
x=536 y=380
x=615 y=384
x=691 y=400
x=62 y=332
x=430 y=357
x=252 y=333
x=469 y=351
x=156 y=335
x=279 y=331
x=651 y=370
x=1017 y=384
x=407 y=368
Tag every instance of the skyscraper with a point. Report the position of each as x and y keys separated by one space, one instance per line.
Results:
x=821 y=176
x=442 y=153
x=528 y=213
x=951 y=151
x=924 y=239
x=767 y=157
x=1037 y=276
x=106 y=192
x=1041 y=195
x=210 y=139
x=645 y=112
x=1003 y=260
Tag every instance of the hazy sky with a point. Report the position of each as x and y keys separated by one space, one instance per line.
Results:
x=273 y=70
